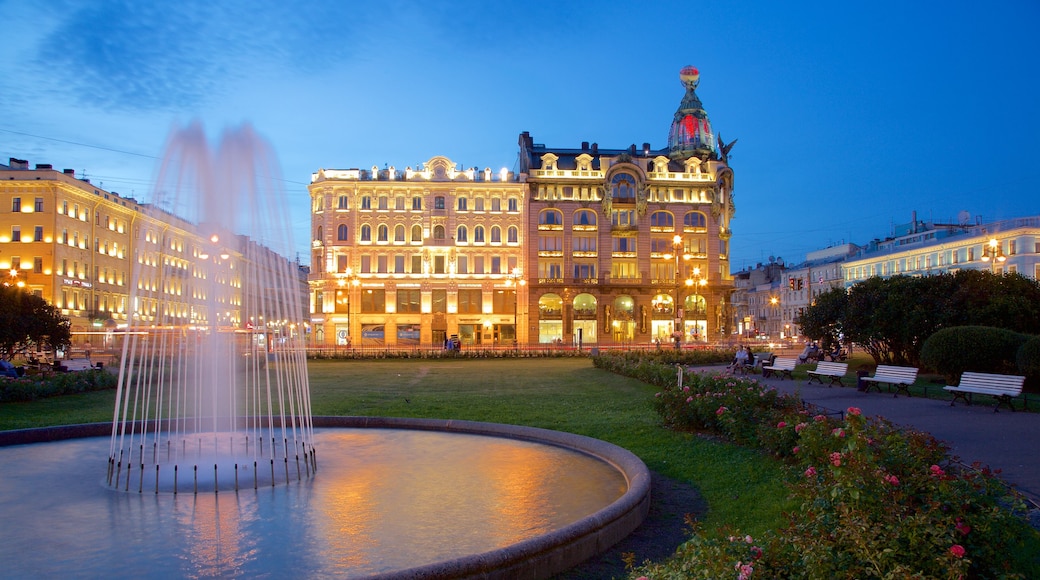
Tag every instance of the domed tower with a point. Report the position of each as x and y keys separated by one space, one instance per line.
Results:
x=691 y=133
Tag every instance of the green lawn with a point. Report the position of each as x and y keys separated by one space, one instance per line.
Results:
x=743 y=488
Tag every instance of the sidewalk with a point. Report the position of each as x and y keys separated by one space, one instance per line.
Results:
x=1006 y=441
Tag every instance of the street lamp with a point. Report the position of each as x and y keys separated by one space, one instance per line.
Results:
x=348 y=277
x=14 y=281
x=993 y=253
x=697 y=283
x=515 y=279
x=679 y=255
x=774 y=302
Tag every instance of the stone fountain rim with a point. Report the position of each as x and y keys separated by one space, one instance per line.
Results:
x=539 y=557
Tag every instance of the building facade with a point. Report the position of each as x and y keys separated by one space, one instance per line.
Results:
x=581 y=246
x=417 y=257
x=77 y=246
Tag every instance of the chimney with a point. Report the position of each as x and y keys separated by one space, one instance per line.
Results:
x=70 y=172
x=584 y=145
x=19 y=163
x=44 y=167
x=595 y=148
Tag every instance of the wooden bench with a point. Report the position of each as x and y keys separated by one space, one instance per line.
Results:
x=899 y=377
x=832 y=370
x=782 y=367
x=1002 y=387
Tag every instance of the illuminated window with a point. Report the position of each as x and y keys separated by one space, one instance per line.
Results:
x=513 y=235
x=373 y=301
x=399 y=203
x=342 y=202
x=384 y=203
x=366 y=202
x=366 y=233
x=341 y=233
x=438 y=202
x=408 y=300
x=496 y=204
x=460 y=234
x=478 y=235
x=416 y=233
x=462 y=204
x=623 y=188
x=383 y=232
x=478 y=204
x=553 y=217
x=514 y=205
x=695 y=219
x=661 y=219
x=16 y=233
x=438 y=232
x=623 y=218
x=470 y=301
x=584 y=217
x=496 y=235
x=416 y=203
x=399 y=232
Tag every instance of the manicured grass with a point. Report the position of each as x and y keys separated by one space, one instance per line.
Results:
x=743 y=488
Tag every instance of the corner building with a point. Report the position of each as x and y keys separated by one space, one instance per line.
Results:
x=631 y=245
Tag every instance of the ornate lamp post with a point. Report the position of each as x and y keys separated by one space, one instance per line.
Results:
x=993 y=253
x=679 y=255
x=348 y=278
x=697 y=283
x=515 y=279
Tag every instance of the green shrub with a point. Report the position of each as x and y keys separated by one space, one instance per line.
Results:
x=984 y=349
x=1028 y=363
x=29 y=388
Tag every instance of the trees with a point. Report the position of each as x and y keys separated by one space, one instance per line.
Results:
x=28 y=323
x=891 y=318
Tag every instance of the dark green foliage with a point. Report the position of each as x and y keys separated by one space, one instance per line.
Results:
x=33 y=387
x=28 y=323
x=1027 y=361
x=981 y=349
x=890 y=318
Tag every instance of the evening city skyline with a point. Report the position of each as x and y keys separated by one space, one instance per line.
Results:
x=848 y=118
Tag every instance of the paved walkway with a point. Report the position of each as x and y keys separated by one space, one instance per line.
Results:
x=1006 y=441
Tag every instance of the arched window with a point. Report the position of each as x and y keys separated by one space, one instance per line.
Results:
x=399 y=232
x=416 y=233
x=384 y=233
x=438 y=232
x=319 y=235
x=661 y=219
x=478 y=235
x=584 y=217
x=513 y=235
x=623 y=188
x=341 y=233
x=496 y=235
x=460 y=234
x=550 y=306
x=695 y=219
x=551 y=217
x=366 y=233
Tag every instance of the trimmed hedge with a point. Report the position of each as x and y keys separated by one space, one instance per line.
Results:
x=982 y=349
x=29 y=388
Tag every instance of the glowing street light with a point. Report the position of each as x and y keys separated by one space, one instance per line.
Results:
x=993 y=253
x=516 y=280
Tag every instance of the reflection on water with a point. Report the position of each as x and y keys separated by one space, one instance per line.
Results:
x=382 y=500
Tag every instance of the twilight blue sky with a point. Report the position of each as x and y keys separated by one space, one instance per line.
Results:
x=849 y=115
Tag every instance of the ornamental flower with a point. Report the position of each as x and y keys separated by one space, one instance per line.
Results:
x=891 y=479
x=854 y=411
x=781 y=425
x=796 y=449
x=836 y=459
x=839 y=432
x=937 y=471
x=721 y=411
x=686 y=389
x=811 y=472
x=749 y=539
x=798 y=428
x=819 y=418
x=962 y=527
x=689 y=399
x=957 y=550
x=756 y=552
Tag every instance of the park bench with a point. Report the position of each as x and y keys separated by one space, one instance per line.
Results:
x=832 y=370
x=1001 y=387
x=76 y=364
x=899 y=377
x=781 y=367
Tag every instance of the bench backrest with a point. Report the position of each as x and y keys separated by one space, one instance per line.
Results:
x=763 y=358
x=79 y=364
x=991 y=383
x=887 y=373
x=832 y=368
x=784 y=363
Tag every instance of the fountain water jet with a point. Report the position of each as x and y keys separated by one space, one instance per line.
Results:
x=213 y=389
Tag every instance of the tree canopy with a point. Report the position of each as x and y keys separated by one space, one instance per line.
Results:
x=28 y=323
x=891 y=317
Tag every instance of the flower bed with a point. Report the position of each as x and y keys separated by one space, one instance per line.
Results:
x=876 y=501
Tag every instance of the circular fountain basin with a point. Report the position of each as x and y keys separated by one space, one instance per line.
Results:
x=391 y=498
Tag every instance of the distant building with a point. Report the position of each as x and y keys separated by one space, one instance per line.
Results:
x=921 y=248
x=821 y=271
x=756 y=301
x=76 y=245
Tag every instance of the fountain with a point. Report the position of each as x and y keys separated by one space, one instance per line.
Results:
x=212 y=454
x=212 y=389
